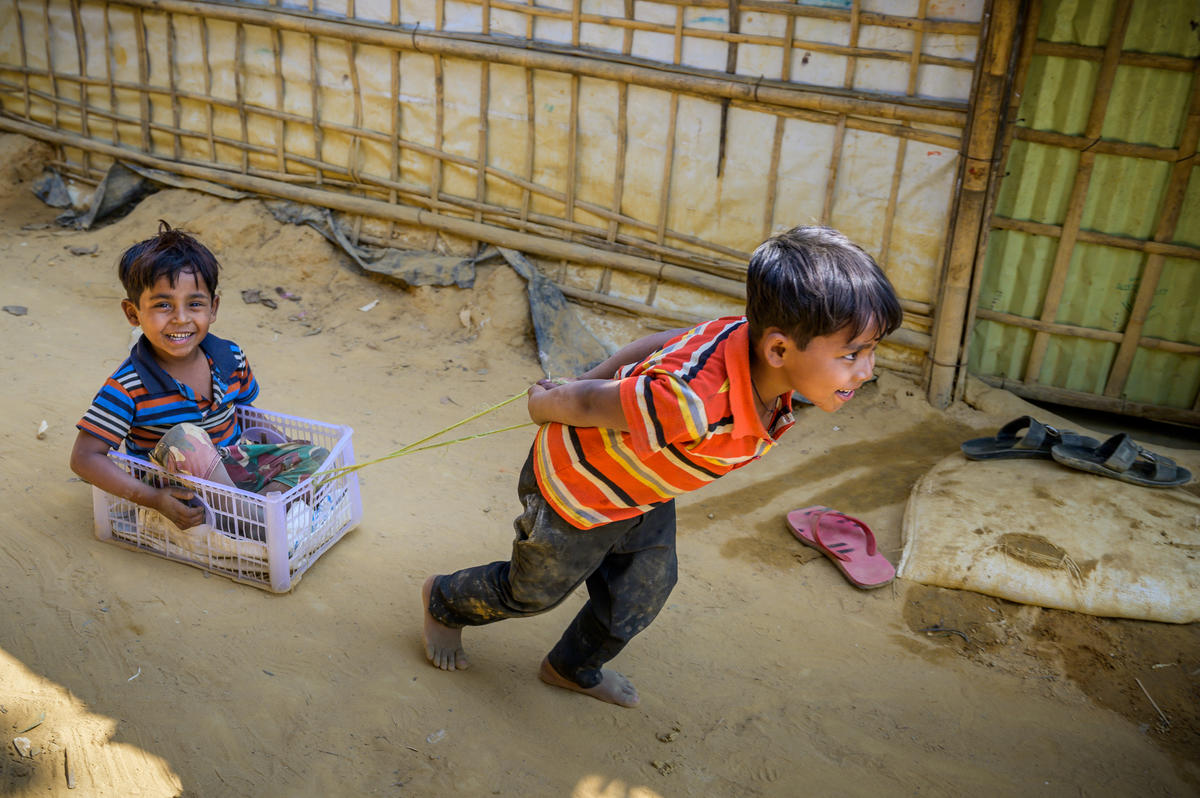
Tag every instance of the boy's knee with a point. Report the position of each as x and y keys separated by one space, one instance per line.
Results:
x=186 y=449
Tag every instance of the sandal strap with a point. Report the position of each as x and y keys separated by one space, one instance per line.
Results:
x=1122 y=452
x=1034 y=439
x=816 y=528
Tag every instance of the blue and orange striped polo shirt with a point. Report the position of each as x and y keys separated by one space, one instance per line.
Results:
x=690 y=410
x=141 y=401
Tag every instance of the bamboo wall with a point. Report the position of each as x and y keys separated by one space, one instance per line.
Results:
x=1090 y=284
x=639 y=149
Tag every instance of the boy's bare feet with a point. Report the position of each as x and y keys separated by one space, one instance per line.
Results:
x=613 y=688
x=443 y=644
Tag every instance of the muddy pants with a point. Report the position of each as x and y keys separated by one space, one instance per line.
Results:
x=629 y=567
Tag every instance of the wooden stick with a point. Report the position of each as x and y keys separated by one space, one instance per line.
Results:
x=1109 y=404
x=1165 y=721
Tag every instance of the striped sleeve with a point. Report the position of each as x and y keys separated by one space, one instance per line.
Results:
x=660 y=410
x=110 y=415
x=244 y=389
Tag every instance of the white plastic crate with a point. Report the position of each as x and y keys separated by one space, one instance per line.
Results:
x=272 y=540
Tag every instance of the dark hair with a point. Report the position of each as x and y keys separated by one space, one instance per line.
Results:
x=813 y=281
x=170 y=253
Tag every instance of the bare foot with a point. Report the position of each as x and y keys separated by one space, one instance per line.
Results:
x=613 y=688
x=443 y=644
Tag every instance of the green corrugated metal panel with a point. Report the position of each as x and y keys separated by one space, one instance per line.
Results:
x=1167 y=27
x=999 y=350
x=1100 y=286
x=1016 y=273
x=1147 y=106
x=1077 y=364
x=1076 y=21
x=1163 y=378
x=1124 y=195
x=1058 y=94
x=1038 y=185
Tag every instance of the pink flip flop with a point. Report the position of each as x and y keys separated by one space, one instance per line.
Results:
x=841 y=538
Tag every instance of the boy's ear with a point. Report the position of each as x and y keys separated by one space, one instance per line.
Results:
x=216 y=303
x=131 y=312
x=773 y=345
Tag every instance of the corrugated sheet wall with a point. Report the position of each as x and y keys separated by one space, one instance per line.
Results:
x=1090 y=285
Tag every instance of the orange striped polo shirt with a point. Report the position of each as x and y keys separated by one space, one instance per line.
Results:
x=691 y=417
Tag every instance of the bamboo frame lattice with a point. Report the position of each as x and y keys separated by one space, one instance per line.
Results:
x=644 y=148
x=1068 y=265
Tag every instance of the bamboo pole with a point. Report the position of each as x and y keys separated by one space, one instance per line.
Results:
x=22 y=46
x=208 y=81
x=1083 y=177
x=1109 y=404
x=81 y=54
x=785 y=74
x=1168 y=219
x=1104 y=239
x=280 y=101
x=735 y=37
x=974 y=172
x=314 y=71
x=50 y=56
x=704 y=83
x=485 y=91
x=1013 y=108
x=1095 y=145
x=1089 y=333
x=239 y=90
x=110 y=55
x=396 y=120
x=139 y=27
x=176 y=110
x=1084 y=52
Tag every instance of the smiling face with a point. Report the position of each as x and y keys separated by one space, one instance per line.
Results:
x=174 y=318
x=827 y=372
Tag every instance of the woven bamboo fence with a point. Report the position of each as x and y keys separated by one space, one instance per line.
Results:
x=1091 y=277
x=638 y=150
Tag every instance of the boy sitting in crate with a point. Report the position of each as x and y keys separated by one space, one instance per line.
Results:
x=175 y=397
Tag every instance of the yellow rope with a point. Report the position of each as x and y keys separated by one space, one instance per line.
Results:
x=321 y=477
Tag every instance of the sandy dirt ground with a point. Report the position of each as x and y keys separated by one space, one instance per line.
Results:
x=766 y=675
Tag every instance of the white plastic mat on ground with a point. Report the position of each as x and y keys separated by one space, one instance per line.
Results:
x=1036 y=532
